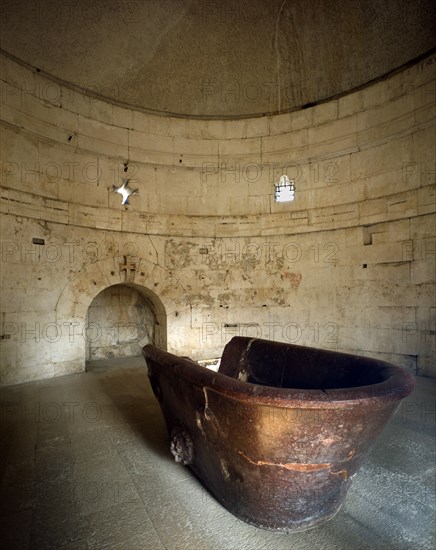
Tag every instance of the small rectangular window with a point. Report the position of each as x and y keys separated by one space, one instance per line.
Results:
x=284 y=190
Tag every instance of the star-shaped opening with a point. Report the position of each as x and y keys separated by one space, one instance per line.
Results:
x=125 y=191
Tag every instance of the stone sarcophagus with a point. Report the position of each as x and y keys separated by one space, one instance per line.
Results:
x=278 y=433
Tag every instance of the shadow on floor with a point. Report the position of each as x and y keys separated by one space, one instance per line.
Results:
x=130 y=392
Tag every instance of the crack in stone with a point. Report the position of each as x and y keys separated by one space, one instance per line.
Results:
x=297 y=466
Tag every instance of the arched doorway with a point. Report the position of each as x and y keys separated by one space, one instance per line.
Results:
x=73 y=304
x=120 y=320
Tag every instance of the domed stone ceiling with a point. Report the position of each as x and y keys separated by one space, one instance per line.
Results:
x=218 y=59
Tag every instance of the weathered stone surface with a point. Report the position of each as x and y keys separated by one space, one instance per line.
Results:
x=217 y=255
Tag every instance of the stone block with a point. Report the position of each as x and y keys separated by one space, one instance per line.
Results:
x=388 y=112
x=257 y=205
x=424 y=92
x=37 y=126
x=218 y=205
x=181 y=181
x=397 y=272
x=399 y=85
x=339 y=147
x=14 y=96
x=343 y=130
x=240 y=148
x=34 y=355
x=326 y=172
x=122 y=117
x=196 y=129
x=301 y=119
x=404 y=204
x=424 y=71
x=426 y=198
x=101 y=147
x=18 y=374
x=200 y=226
x=279 y=161
x=339 y=194
x=280 y=124
x=238 y=205
x=376 y=134
x=257 y=127
x=102 y=132
x=337 y=215
x=179 y=127
x=283 y=142
x=399 y=230
x=381 y=251
x=70 y=347
x=424 y=268
x=23 y=204
x=147 y=141
x=145 y=123
x=234 y=129
x=193 y=152
x=101 y=111
x=424 y=147
x=350 y=104
x=376 y=94
x=325 y=112
x=54 y=210
x=87 y=216
x=260 y=178
x=423 y=227
x=73 y=191
x=177 y=205
x=16 y=74
x=426 y=366
x=207 y=148
x=220 y=129
x=386 y=157
x=19 y=154
x=425 y=113
x=77 y=101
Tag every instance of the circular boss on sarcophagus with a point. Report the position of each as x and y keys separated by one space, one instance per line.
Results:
x=181 y=446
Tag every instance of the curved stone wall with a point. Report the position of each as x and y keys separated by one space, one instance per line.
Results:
x=348 y=265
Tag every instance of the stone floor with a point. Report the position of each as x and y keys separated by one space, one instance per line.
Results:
x=84 y=463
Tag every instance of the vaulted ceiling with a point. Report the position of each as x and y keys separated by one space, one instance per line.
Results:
x=215 y=58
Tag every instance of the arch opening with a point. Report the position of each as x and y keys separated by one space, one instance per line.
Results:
x=120 y=320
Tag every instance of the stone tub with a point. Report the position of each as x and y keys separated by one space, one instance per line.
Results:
x=278 y=433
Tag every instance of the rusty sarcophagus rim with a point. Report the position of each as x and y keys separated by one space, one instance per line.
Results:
x=278 y=433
